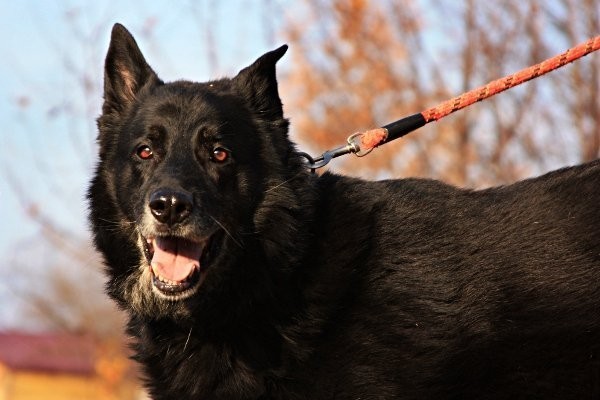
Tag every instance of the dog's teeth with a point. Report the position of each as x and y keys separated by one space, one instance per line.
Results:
x=163 y=279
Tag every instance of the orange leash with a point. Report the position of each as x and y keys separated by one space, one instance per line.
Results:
x=361 y=143
x=510 y=81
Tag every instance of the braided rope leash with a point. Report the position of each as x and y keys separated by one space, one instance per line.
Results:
x=510 y=81
x=361 y=143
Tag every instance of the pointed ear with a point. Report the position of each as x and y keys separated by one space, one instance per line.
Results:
x=258 y=84
x=125 y=71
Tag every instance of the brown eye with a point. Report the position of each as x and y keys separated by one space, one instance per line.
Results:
x=144 y=152
x=220 y=155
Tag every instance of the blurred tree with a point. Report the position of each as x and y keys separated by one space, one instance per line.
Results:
x=356 y=65
x=55 y=276
x=364 y=64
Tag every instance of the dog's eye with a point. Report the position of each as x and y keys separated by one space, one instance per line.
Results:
x=219 y=154
x=144 y=152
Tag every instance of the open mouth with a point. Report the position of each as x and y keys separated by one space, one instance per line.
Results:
x=178 y=265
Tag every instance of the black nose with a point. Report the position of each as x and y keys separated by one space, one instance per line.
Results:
x=170 y=206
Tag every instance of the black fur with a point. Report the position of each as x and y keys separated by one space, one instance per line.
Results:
x=327 y=287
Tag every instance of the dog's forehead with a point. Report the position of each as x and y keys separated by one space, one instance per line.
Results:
x=193 y=103
x=175 y=97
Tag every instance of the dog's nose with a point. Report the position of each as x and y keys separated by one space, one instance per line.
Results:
x=169 y=206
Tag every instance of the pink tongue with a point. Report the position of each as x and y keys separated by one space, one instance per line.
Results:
x=174 y=258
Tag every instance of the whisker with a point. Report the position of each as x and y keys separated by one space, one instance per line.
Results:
x=188 y=339
x=116 y=226
x=283 y=183
x=116 y=223
x=227 y=232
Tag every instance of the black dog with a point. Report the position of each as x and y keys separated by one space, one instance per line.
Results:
x=245 y=276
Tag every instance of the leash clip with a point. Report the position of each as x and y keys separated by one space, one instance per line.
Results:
x=360 y=144
x=352 y=146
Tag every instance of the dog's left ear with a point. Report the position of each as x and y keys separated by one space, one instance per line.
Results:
x=258 y=84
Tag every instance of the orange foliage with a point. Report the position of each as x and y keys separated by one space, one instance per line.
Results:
x=358 y=65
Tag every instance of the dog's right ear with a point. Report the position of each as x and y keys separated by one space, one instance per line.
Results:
x=126 y=72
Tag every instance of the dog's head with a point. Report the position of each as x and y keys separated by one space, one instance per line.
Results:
x=198 y=190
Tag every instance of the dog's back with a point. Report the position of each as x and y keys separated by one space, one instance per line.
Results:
x=484 y=294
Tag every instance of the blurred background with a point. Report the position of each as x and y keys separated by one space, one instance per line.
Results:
x=352 y=65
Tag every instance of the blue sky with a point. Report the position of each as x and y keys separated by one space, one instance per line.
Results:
x=50 y=79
